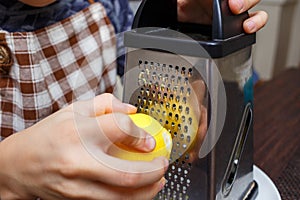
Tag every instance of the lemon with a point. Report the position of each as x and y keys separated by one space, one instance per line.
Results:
x=162 y=137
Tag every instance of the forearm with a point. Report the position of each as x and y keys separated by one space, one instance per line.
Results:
x=37 y=3
x=10 y=152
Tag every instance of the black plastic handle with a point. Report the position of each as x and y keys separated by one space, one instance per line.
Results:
x=163 y=13
x=156 y=13
x=225 y=23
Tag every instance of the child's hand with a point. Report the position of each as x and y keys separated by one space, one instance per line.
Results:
x=65 y=156
x=200 y=11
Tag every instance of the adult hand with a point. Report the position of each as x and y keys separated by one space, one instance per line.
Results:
x=65 y=156
x=200 y=11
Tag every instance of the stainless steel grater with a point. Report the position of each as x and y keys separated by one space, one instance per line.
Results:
x=196 y=81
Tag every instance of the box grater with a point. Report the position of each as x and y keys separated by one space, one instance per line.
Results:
x=196 y=80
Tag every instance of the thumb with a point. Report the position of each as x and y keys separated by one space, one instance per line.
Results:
x=122 y=130
x=106 y=130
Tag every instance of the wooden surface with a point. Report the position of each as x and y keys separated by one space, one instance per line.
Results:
x=277 y=126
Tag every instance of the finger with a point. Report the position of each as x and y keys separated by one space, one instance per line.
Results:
x=120 y=173
x=92 y=190
x=102 y=104
x=256 y=21
x=148 y=192
x=203 y=124
x=202 y=131
x=119 y=128
x=239 y=6
x=107 y=103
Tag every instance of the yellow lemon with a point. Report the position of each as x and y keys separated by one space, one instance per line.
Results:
x=160 y=134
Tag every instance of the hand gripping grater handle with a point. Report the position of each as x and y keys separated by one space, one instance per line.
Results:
x=222 y=37
x=224 y=23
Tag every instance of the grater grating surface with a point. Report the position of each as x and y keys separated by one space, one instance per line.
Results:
x=168 y=93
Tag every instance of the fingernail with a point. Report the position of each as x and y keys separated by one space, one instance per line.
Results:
x=240 y=4
x=130 y=107
x=250 y=26
x=150 y=143
x=162 y=183
x=166 y=164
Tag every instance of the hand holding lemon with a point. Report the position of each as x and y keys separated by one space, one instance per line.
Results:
x=161 y=135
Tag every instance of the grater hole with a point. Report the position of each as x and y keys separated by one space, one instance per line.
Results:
x=187 y=157
x=152 y=110
x=164 y=67
x=187 y=110
x=162 y=87
x=185 y=129
x=190 y=120
x=180 y=108
x=188 y=91
x=188 y=139
x=179 y=80
x=176 y=115
x=183 y=70
x=158 y=66
x=177 y=68
x=144 y=102
x=183 y=118
x=181 y=136
x=173 y=125
x=142 y=74
x=165 y=96
x=146 y=110
x=186 y=81
x=167 y=105
x=168 y=87
x=163 y=114
x=181 y=90
x=175 y=88
x=184 y=100
x=154 y=75
x=156 y=85
x=159 y=95
x=172 y=79
x=190 y=71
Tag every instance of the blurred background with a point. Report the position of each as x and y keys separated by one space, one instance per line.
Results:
x=278 y=43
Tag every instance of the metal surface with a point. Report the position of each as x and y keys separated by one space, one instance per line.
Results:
x=181 y=92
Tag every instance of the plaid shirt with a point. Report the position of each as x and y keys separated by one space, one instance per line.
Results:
x=50 y=68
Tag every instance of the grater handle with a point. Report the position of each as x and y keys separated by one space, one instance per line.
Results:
x=158 y=13
x=226 y=24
